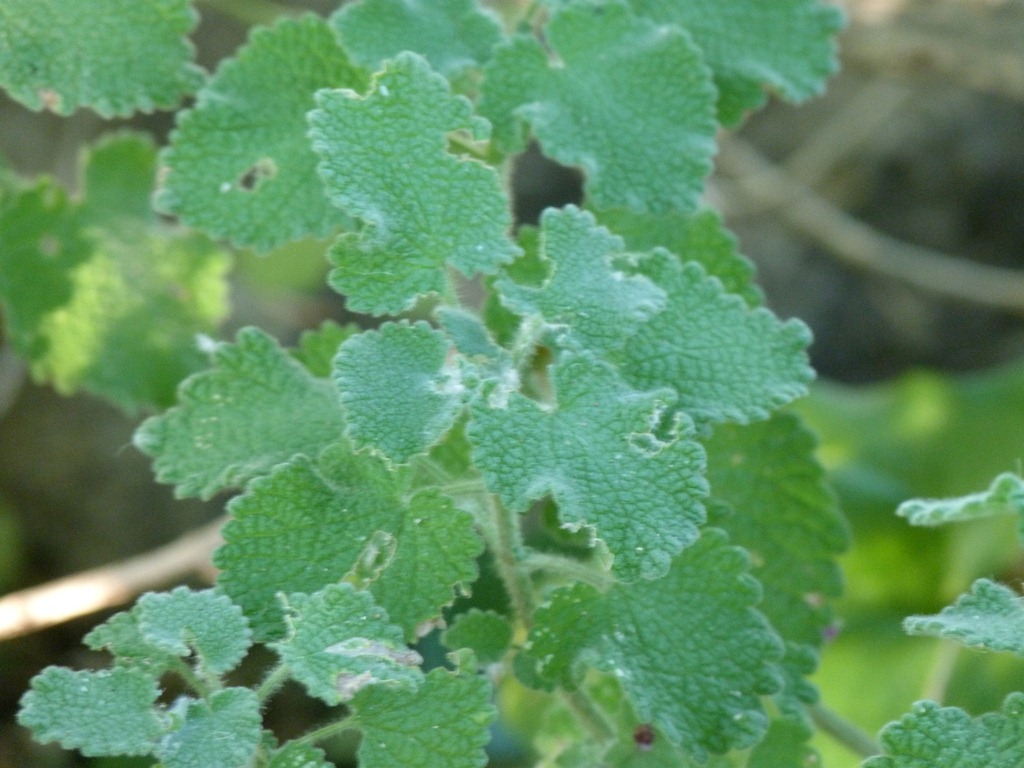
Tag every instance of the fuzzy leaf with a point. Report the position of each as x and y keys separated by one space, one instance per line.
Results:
x=110 y=712
x=116 y=56
x=727 y=362
x=183 y=621
x=400 y=388
x=990 y=616
x=1005 y=496
x=256 y=407
x=486 y=633
x=295 y=754
x=339 y=642
x=122 y=637
x=223 y=731
x=97 y=294
x=240 y=165
x=785 y=45
x=598 y=451
x=453 y=36
x=443 y=724
x=932 y=736
x=692 y=654
x=699 y=236
x=585 y=295
x=769 y=494
x=421 y=207
x=628 y=101
x=316 y=348
x=310 y=523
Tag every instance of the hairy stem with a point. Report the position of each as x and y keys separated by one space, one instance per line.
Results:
x=272 y=682
x=843 y=731
x=568 y=568
x=588 y=715
x=504 y=538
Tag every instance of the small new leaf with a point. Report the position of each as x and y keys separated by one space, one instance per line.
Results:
x=600 y=452
x=110 y=712
x=256 y=407
x=1005 y=496
x=696 y=671
x=421 y=207
x=442 y=724
x=339 y=642
x=221 y=731
x=785 y=45
x=240 y=165
x=585 y=296
x=453 y=36
x=627 y=100
x=990 y=616
x=933 y=736
x=401 y=388
x=486 y=633
x=115 y=56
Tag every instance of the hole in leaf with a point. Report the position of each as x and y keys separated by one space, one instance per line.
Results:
x=259 y=172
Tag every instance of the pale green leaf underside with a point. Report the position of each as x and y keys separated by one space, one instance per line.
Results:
x=310 y=523
x=240 y=165
x=121 y=636
x=598 y=456
x=585 y=297
x=785 y=45
x=224 y=730
x=727 y=362
x=110 y=712
x=182 y=621
x=400 y=390
x=97 y=294
x=1005 y=496
x=689 y=649
x=256 y=407
x=421 y=207
x=453 y=36
x=628 y=101
x=932 y=736
x=990 y=616
x=443 y=724
x=339 y=642
x=769 y=494
x=295 y=754
x=700 y=237
x=115 y=56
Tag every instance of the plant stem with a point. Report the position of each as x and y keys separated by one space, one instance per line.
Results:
x=251 y=12
x=946 y=655
x=568 y=568
x=843 y=731
x=328 y=731
x=588 y=715
x=505 y=541
x=272 y=682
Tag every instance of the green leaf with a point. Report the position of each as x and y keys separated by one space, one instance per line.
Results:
x=225 y=730
x=486 y=633
x=601 y=450
x=585 y=295
x=255 y=408
x=317 y=348
x=933 y=736
x=98 y=295
x=786 y=45
x=692 y=654
x=443 y=724
x=628 y=101
x=990 y=616
x=110 y=712
x=421 y=207
x=240 y=165
x=452 y=36
x=295 y=754
x=727 y=362
x=1005 y=496
x=184 y=621
x=339 y=642
x=122 y=637
x=310 y=523
x=401 y=388
x=116 y=56
x=769 y=494
x=699 y=236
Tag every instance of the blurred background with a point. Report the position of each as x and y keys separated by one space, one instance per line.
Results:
x=887 y=214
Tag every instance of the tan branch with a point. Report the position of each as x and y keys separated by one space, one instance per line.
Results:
x=860 y=245
x=83 y=593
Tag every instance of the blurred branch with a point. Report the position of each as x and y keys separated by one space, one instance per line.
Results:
x=251 y=12
x=860 y=245
x=843 y=731
x=109 y=586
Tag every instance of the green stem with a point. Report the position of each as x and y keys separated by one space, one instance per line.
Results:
x=842 y=730
x=505 y=540
x=272 y=682
x=946 y=655
x=251 y=12
x=588 y=715
x=568 y=568
x=328 y=731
